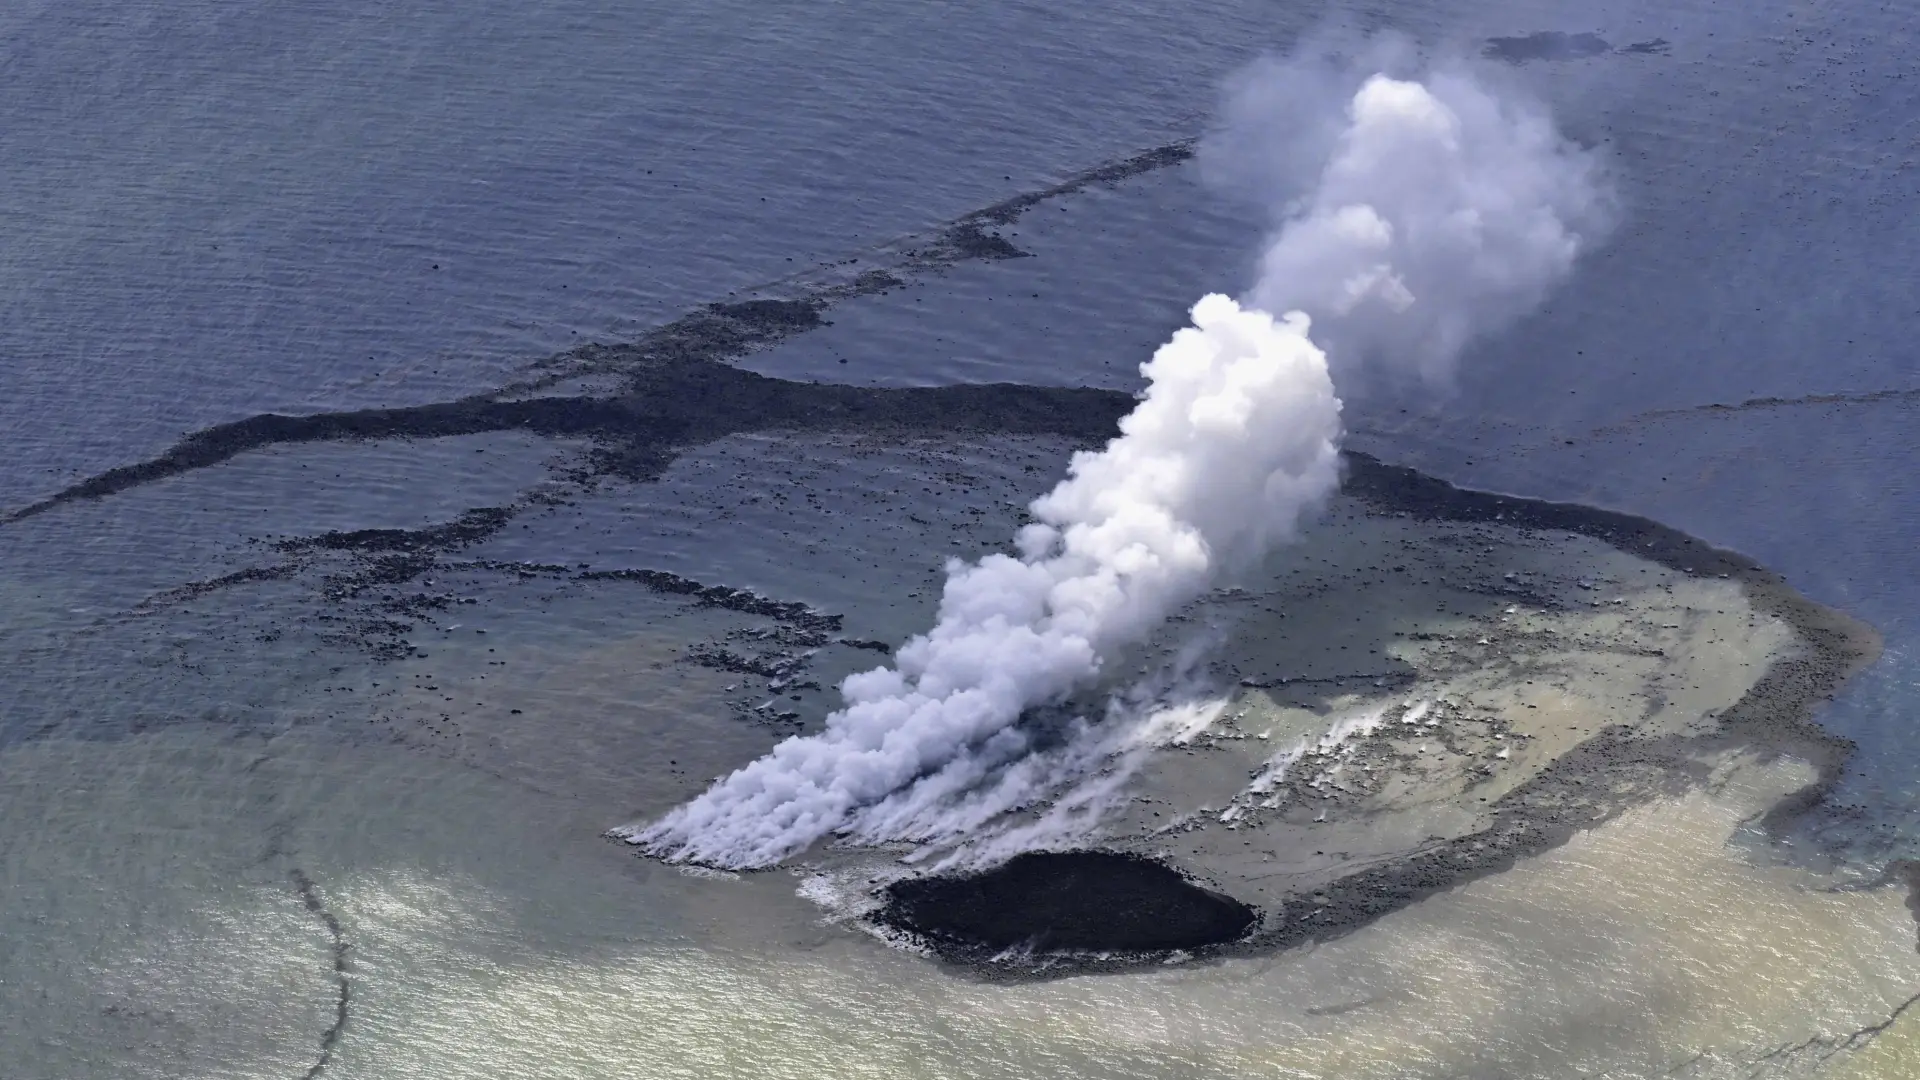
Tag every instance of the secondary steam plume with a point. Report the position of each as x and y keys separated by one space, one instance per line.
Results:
x=1437 y=212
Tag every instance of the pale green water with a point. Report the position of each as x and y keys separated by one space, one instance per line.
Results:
x=152 y=931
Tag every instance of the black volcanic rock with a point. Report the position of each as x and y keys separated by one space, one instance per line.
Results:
x=1550 y=45
x=1073 y=901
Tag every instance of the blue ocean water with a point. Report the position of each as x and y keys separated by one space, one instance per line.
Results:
x=214 y=209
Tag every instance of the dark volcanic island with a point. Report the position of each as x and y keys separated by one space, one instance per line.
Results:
x=1431 y=686
x=1066 y=901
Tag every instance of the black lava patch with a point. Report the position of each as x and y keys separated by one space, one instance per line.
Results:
x=1546 y=45
x=1065 y=901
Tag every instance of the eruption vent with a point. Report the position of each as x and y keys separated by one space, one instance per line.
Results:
x=1438 y=213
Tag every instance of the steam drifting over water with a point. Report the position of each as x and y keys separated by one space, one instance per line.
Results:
x=1442 y=213
x=1434 y=213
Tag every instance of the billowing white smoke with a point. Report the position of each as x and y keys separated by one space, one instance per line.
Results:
x=959 y=814
x=1439 y=212
x=1234 y=442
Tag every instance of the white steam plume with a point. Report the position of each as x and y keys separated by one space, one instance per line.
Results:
x=1440 y=213
x=959 y=813
x=1234 y=442
x=1437 y=213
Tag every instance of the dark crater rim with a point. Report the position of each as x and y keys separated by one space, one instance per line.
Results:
x=1064 y=904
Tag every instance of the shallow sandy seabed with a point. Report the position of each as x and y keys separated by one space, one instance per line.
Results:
x=487 y=936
